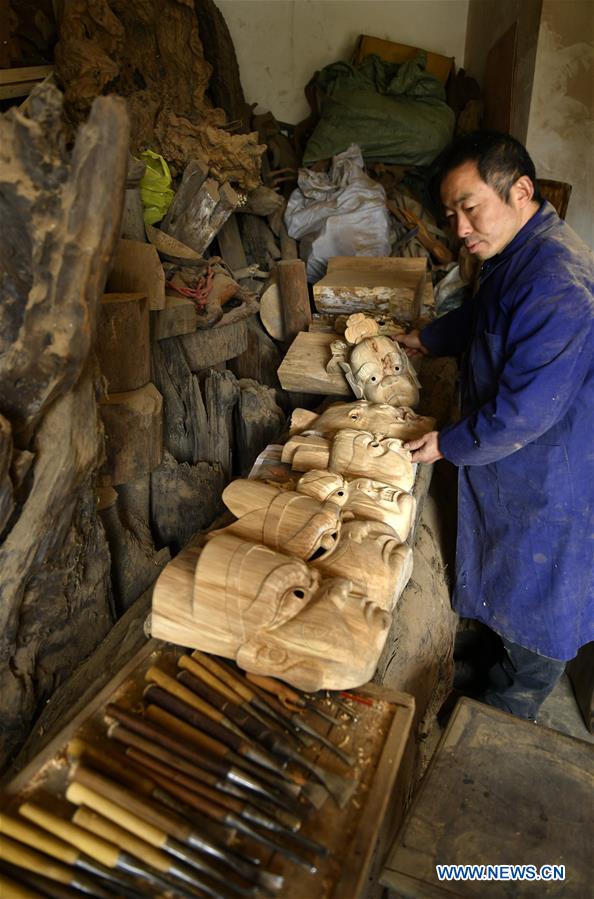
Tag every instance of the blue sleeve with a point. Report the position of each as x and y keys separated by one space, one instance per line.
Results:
x=547 y=355
x=450 y=334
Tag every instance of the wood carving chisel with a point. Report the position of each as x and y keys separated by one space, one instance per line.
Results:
x=181 y=830
x=221 y=751
x=234 y=682
x=43 y=886
x=245 y=810
x=239 y=744
x=35 y=838
x=101 y=850
x=31 y=860
x=11 y=889
x=131 y=723
x=276 y=688
x=150 y=844
x=222 y=816
x=339 y=787
x=102 y=790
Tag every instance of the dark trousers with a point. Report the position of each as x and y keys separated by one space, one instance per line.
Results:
x=521 y=680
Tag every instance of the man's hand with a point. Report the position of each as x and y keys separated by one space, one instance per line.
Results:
x=412 y=343
x=426 y=448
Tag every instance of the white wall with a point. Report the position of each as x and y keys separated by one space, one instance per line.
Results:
x=281 y=43
x=561 y=125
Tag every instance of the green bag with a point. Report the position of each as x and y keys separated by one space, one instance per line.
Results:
x=155 y=187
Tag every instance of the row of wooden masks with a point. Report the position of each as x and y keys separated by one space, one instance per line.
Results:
x=302 y=584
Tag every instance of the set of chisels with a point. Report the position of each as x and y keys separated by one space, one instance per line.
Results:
x=211 y=765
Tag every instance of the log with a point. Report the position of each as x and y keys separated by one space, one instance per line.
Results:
x=258 y=242
x=221 y=393
x=133 y=423
x=288 y=245
x=200 y=208
x=178 y=317
x=206 y=348
x=261 y=358
x=61 y=211
x=294 y=296
x=6 y=488
x=123 y=341
x=383 y=285
x=184 y=416
x=230 y=245
x=304 y=367
x=137 y=268
x=258 y=422
x=184 y=499
x=271 y=311
x=135 y=563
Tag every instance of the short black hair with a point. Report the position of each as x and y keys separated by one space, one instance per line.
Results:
x=500 y=159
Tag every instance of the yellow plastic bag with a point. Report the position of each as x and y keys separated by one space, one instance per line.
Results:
x=155 y=187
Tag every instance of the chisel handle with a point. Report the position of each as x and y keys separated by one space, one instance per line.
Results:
x=172 y=686
x=162 y=824
x=192 y=716
x=211 y=809
x=113 y=764
x=179 y=728
x=13 y=890
x=142 y=727
x=234 y=686
x=99 y=849
x=30 y=860
x=101 y=826
x=21 y=830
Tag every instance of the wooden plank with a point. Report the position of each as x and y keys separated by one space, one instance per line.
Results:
x=23 y=74
x=386 y=285
x=304 y=367
x=230 y=245
x=489 y=775
x=206 y=348
x=137 y=268
x=294 y=296
x=178 y=317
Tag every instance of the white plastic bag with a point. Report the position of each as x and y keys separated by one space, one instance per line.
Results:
x=339 y=213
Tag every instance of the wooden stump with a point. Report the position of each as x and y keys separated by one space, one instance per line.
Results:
x=178 y=317
x=123 y=341
x=133 y=423
x=261 y=358
x=136 y=267
x=206 y=348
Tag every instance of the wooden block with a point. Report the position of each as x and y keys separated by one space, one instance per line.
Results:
x=271 y=308
x=200 y=208
x=123 y=346
x=203 y=349
x=178 y=317
x=304 y=367
x=384 y=284
x=137 y=267
x=294 y=296
x=230 y=245
x=497 y=782
x=133 y=423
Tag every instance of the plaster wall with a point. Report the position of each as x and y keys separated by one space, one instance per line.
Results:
x=561 y=126
x=281 y=43
x=488 y=20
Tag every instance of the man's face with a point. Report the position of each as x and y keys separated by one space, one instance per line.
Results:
x=478 y=215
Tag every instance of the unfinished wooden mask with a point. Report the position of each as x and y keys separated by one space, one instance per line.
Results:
x=274 y=615
x=374 y=560
x=353 y=454
x=332 y=644
x=284 y=520
x=379 y=418
x=363 y=498
x=376 y=367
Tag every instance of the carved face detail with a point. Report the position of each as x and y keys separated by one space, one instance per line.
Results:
x=327 y=486
x=379 y=418
x=334 y=643
x=379 y=373
x=361 y=454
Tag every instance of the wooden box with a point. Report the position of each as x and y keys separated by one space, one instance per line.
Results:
x=387 y=285
x=498 y=791
x=377 y=739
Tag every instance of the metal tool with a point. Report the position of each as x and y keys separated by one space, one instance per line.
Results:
x=31 y=861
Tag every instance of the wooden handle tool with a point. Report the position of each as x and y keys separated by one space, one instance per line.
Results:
x=13 y=890
x=30 y=860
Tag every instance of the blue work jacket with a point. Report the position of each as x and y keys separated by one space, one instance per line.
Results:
x=525 y=441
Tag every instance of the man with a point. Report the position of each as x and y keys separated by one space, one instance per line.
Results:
x=525 y=441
